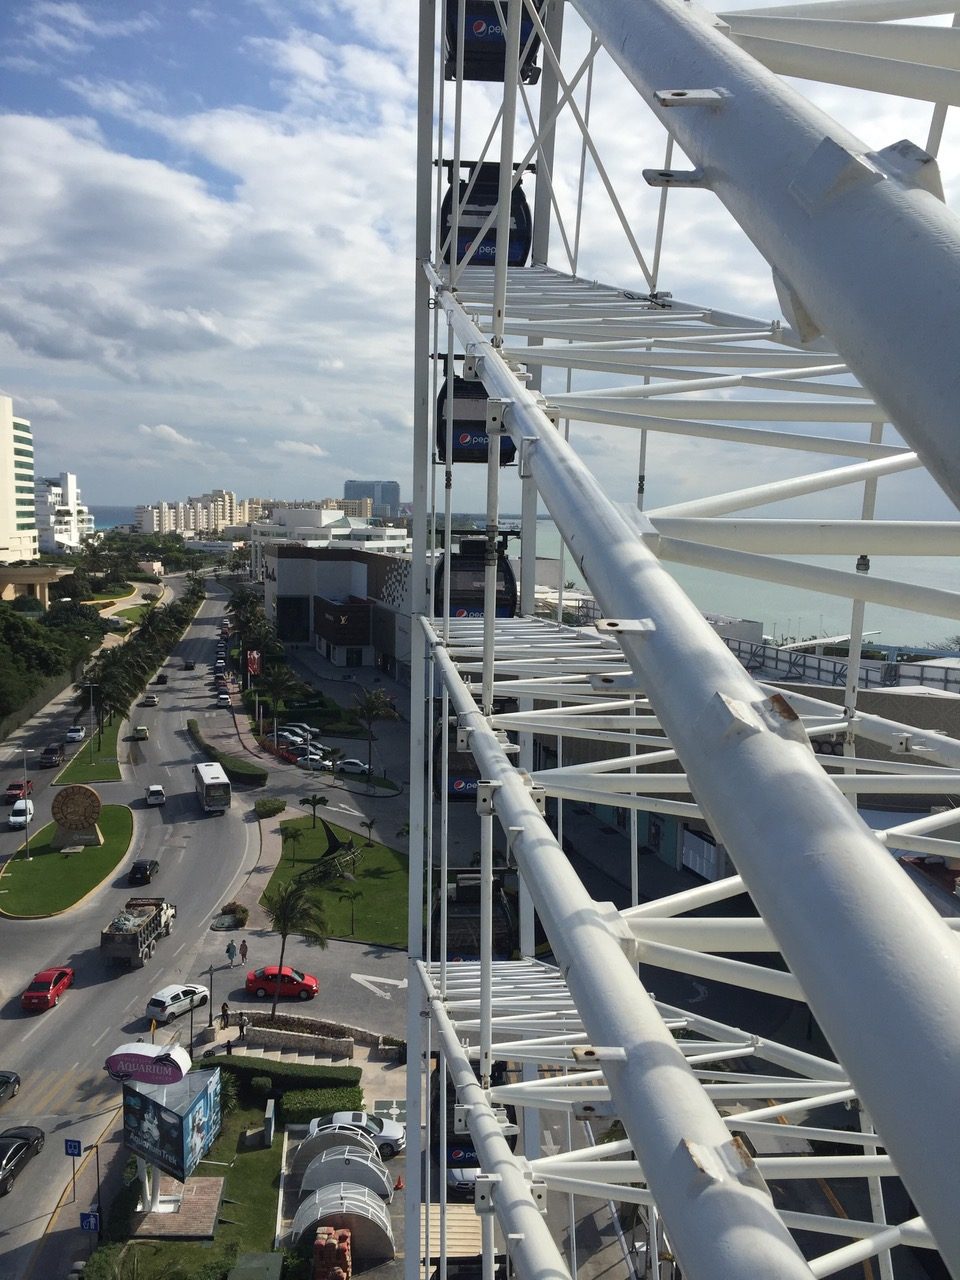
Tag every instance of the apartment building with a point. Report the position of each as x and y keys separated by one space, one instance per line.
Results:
x=208 y=513
x=63 y=521
x=18 y=519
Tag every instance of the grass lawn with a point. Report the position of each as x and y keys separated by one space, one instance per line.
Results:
x=378 y=913
x=248 y=1211
x=53 y=880
x=134 y=613
x=112 y=595
x=96 y=761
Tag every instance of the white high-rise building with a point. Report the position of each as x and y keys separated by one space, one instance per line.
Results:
x=18 y=520
x=63 y=521
x=209 y=513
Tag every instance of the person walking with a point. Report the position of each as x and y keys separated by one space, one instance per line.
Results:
x=242 y=1022
x=243 y=951
x=231 y=950
x=224 y=1016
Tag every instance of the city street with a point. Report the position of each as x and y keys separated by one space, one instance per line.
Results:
x=205 y=861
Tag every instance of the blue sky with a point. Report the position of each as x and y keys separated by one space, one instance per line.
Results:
x=206 y=228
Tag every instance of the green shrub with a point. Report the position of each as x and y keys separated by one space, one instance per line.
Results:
x=299 y=1106
x=269 y=806
x=261 y=1087
x=285 y=1075
x=235 y=767
x=236 y=909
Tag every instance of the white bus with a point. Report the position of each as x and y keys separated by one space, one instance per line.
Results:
x=213 y=787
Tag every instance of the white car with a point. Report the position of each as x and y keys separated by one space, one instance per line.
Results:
x=304 y=730
x=76 y=733
x=149 y=700
x=389 y=1135
x=21 y=814
x=315 y=750
x=223 y=700
x=155 y=794
x=353 y=766
x=170 y=1002
x=291 y=739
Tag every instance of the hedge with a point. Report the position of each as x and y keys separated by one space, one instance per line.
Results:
x=286 y=1075
x=300 y=1106
x=269 y=806
x=235 y=767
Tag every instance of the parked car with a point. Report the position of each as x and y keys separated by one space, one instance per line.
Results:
x=305 y=730
x=143 y=871
x=52 y=755
x=21 y=814
x=9 y=1085
x=46 y=988
x=310 y=753
x=76 y=733
x=149 y=700
x=223 y=700
x=189 y=666
x=219 y=665
x=288 y=739
x=287 y=981
x=353 y=766
x=389 y=1135
x=17 y=1147
x=155 y=794
x=18 y=789
x=162 y=678
x=171 y=1002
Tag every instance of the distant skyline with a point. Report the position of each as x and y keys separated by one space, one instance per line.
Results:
x=207 y=231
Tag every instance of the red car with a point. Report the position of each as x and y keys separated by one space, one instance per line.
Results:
x=18 y=790
x=286 y=981
x=46 y=988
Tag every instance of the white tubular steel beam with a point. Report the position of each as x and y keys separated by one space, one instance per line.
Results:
x=533 y=1252
x=818 y=537
x=722 y=1225
x=860 y=250
x=848 y=924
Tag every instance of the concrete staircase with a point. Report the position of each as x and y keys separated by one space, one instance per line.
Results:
x=282 y=1055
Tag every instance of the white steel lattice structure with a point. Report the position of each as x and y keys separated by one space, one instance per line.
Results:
x=648 y=711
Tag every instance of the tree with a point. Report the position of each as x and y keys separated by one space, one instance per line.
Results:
x=290 y=909
x=314 y=802
x=368 y=826
x=351 y=896
x=278 y=684
x=292 y=836
x=373 y=705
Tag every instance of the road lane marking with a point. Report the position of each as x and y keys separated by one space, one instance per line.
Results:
x=100 y=1037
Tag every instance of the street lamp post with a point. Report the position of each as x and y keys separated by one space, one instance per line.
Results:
x=210 y=1005
x=95 y=1148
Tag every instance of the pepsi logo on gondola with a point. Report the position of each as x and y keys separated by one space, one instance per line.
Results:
x=469 y=441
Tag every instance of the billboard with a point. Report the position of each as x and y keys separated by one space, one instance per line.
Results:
x=174 y=1126
x=148 y=1063
x=253 y=662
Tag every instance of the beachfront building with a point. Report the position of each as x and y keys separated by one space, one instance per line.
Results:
x=321 y=527
x=208 y=513
x=63 y=521
x=18 y=520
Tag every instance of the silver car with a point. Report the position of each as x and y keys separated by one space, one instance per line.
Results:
x=171 y=1002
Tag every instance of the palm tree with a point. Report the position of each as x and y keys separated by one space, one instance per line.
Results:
x=290 y=909
x=293 y=836
x=351 y=896
x=314 y=802
x=279 y=684
x=368 y=827
x=373 y=705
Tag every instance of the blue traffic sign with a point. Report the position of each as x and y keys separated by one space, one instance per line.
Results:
x=89 y=1222
x=72 y=1147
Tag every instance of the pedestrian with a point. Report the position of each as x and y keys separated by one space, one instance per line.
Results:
x=224 y=1016
x=231 y=950
x=242 y=1024
x=243 y=951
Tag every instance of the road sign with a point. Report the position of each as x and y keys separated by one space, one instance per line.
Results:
x=89 y=1222
x=72 y=1147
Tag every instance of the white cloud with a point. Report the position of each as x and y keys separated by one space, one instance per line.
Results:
x=167 y=436
x=301 y=448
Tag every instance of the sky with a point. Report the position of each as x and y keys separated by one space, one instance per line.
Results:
x=206 y=242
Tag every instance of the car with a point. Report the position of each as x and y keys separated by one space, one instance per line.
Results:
x=9 y=1085
x=389 y=1135
x=76 y=733
x=170 y=1002
x=17 y=1147
x=310 y=753
x=223 y=700
x=19 y=789
x=291 y=740
x=52 y=755
x=162 y=678
x=143 y=871
x=189 y=666
x=141 y=733
x=352 y=766
x=287 y=981
x=20 y=814
x=304 y=730
x=219 y=665
x=46 y=988
x=155 y=794
x=149 y=700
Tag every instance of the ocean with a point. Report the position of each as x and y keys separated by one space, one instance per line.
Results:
x=110 y=517
x=787 y=612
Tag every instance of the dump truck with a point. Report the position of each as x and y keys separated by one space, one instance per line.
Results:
x=131 y=936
